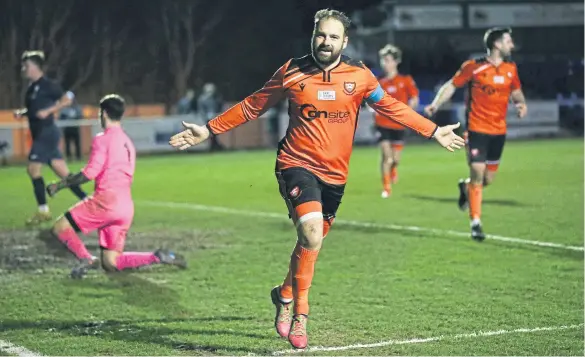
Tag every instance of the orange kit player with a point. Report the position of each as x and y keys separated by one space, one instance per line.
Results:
x=490 y=81
x=325 y=91
x=390 y=133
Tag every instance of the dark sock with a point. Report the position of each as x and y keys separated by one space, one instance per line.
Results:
x=77 y=191
x=39 y=189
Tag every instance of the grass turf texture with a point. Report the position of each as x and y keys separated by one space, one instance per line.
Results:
x=371 y=284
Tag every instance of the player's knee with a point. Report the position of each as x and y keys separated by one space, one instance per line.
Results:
x=387 y=159
x=477 y=173
x=62 y=224
x=488 y=179
x=33 y=170
x=310 y=233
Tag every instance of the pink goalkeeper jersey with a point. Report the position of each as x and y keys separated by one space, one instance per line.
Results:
x=111 y=163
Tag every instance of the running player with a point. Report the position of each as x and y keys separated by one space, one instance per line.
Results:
x=44 y=98
x=491 y=81
x=110 y=210
x=390 y=133
x=325 y=91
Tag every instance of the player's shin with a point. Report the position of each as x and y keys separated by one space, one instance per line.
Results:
x=40 y=195
x=286 y=290
x=475 y=198
x=133 y=260
x=310 y=234
x=66 y=234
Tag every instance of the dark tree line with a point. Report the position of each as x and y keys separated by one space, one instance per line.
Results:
x=149 y=50
x=153 y=50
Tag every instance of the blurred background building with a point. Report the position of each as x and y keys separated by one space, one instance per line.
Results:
x=159 y=55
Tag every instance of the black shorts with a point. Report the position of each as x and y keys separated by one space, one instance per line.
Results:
x=45 y=146
x=393 y=135
x=297 y=185
x=485 y=147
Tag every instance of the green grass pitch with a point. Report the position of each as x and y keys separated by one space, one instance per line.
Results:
x=430 y=292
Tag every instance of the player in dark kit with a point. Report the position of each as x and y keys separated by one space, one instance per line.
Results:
x=325 y=91
x=44 y=98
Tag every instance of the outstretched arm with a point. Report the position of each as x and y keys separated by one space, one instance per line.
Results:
x=71 y=180
x=462 y=77
x=94 y=167
x=443 y=95
x=249 y=109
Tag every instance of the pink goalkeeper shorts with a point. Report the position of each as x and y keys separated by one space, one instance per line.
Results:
x=109 y=213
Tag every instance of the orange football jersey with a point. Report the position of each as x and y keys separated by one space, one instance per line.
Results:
x=402 y=88
x=323 y=111
x=488 y=93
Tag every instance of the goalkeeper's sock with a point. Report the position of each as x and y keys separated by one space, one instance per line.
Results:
x=133 y=260
x=73 y=243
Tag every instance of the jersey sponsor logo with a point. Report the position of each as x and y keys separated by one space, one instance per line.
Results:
x=326 y=95
x=309 y=112
x=499 y=79
x=349 y=87
x=391 y=89
x=487 y=89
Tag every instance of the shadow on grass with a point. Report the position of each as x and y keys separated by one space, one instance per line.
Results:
x=453 y=201
x=157 y=299
x=142 y=331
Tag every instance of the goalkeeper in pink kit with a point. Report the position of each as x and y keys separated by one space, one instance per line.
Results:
x=110 y=210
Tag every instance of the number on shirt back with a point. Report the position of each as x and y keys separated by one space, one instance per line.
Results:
x=128 y=152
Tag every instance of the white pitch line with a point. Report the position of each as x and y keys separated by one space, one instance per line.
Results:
x=426 y=340
x=217 y=209
x=13 y=349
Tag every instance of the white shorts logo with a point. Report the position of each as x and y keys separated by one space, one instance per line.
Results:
x=326 y=95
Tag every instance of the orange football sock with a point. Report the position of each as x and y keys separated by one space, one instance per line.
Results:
x=394 y=171
x=302 y=265
x=327 y=223
x=386 y=178
x=286 y=290
x=475 y=193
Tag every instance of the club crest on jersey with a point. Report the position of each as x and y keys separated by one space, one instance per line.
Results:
x=349 y=87
x=295 y=192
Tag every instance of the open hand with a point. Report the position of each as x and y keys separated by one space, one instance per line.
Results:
x=448 y=139
x=192 y=135
x=52 y=189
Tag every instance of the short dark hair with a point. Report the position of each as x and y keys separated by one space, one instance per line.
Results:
x=391 y=50
x=494 y=34
x=333 y=14
x=36 y=57
x=114 y=105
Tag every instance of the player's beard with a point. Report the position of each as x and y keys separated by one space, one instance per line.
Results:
x=326 y=59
